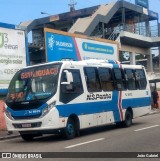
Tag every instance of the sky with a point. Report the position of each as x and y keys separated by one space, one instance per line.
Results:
x=17 y=11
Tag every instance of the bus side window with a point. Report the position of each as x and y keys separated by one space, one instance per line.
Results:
x=77 y=83
x=68 y=94
x=120 y=80
x=141 y=79
x=92 y=79
x=131 y=80
x=106 y=79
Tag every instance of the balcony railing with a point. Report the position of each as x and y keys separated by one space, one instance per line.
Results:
x=152 y=31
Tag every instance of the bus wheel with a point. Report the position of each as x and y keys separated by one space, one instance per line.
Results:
x=70 y=130
x=128 y=119
x=27 y=137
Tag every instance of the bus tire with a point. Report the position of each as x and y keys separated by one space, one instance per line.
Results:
x=27 y=137
x=70 y=129
x=128 y=119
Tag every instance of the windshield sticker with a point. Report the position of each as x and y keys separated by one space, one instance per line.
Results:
x=39 y=73
x=14 y=96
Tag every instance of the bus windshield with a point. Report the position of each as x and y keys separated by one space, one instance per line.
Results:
x=34 y=84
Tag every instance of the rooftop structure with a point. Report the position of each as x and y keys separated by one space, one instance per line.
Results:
x=121 y=21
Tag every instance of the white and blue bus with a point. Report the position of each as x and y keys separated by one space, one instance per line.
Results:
x=67 y=96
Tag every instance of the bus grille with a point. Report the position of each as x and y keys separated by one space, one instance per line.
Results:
x=27 y=125
x=25 y=117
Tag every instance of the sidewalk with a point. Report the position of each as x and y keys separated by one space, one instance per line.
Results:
x=155 y=110
x=5 y=135
x=3 y=132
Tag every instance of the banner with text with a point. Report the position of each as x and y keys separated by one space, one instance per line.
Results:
x=143 y=3
x=12 y=54
x=61 y=47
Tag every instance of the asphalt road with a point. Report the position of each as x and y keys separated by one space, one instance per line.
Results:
x=143 y=136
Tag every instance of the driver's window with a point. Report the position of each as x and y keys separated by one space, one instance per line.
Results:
x=69 y=92
x=76 y=84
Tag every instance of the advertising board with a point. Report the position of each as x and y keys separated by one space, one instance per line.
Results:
x=62 y=45
x=153 y=14
x=12 y=54
x=143 y=3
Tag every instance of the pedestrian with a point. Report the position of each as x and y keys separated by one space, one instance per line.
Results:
x=155 y=98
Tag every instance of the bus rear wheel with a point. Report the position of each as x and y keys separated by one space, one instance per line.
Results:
x=128 y=119
x=70 y=130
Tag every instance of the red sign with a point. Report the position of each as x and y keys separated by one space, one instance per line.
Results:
x=39 y=73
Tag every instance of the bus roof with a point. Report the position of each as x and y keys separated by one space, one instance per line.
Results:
x=89 y=62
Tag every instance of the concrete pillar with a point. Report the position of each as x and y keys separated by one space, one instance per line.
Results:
x=123 y=15
x=149 y=62
x=132 y=58
x=148 y=33
x=103 y=30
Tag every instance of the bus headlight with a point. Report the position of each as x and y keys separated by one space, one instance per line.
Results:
x=48 y=108
x=8 y=114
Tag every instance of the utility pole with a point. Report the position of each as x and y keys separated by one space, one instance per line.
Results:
x=123 y=15
x=72 y=5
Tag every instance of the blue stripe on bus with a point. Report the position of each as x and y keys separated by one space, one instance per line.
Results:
x=27 y=113
x=115 y=66
x=111 y=62
x=114 y=105
x=97 y=107
x=89 y=108
x=136 y=102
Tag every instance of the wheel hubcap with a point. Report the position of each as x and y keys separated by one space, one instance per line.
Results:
x=70 y=129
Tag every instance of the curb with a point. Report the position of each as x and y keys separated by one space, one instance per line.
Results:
x=154 y=112
x=11 y=136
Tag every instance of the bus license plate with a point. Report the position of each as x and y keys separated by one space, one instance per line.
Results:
x=26 y=125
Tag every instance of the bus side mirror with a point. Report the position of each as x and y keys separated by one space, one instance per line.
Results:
x=69 y=78
x=68 y=86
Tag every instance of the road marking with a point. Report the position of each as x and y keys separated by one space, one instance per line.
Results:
x=146 y=128
x=71 y=146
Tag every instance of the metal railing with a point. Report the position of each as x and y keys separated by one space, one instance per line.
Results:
x=152 y=31
x=116 y=32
